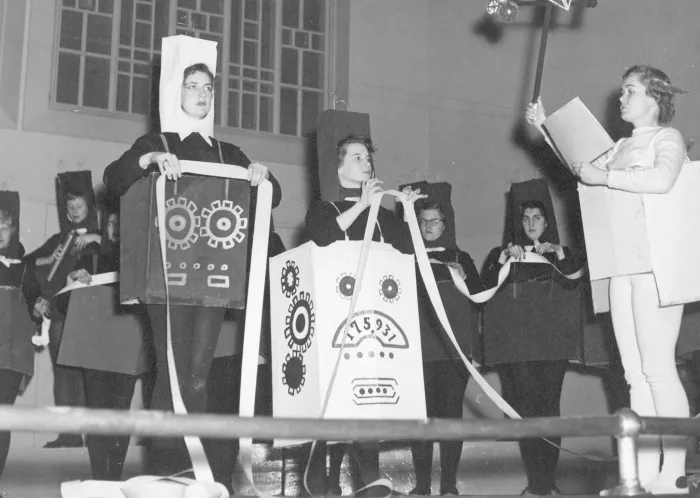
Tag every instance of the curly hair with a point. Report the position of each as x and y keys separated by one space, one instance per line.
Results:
x=667 y=108
x=534 y=204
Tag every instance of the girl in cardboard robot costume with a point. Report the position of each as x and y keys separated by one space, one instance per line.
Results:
x=331 y=221
x=187 y=123
x=16 y=350
x=535 y=382
x=445 y=376
x=648 y=162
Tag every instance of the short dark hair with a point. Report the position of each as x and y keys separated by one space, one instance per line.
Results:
x=437 y=205
x=69 y=196
x=341 y=148
x=667 y=108
x=200 y=67
x=8 y=217
x=534 y=204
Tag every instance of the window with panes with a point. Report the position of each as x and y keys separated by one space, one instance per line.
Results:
x=271 y=68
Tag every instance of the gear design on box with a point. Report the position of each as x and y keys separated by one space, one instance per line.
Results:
x=290 y=278
x=294 y=372
x=181 y=223
x=299 y=322
x=390 y=288
x=223 y=224
x=345 y=286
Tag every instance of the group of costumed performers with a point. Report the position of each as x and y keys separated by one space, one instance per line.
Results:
x=541 y=287
x=645 y=165
x=187 y=124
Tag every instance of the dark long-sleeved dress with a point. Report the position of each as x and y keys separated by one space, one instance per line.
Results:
x=195 y=330
x=445 y=376
x=323 y=229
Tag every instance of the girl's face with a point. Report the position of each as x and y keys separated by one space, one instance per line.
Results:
x=113 y=227
x=77 y=210
x=636 y=106
x=197 y=95
x=534 y=223
x=7 y=231
x=356 y=166
x=431 y=223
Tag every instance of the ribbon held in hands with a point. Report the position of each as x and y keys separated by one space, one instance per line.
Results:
x=42 y=340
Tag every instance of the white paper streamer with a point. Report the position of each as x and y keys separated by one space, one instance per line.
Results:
x=43 y=339
x=256 y=280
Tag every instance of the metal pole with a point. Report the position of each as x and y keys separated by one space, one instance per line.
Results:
x=630 y=427
x=543 y=50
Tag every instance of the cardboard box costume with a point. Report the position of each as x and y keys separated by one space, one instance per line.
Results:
x=16 y=326
x=539 y=319
x=16 y=330
x=379 y=371
x=75 y=182
x=649 y=232
x=333 y=126
x=102 y=334
x=207 y=242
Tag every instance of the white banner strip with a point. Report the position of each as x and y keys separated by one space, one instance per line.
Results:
x=99 y=279
x=256 y=288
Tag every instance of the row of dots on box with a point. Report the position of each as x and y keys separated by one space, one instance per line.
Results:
x=197 y=266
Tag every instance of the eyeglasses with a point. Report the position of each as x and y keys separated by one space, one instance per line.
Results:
x=195 y=89
x=432 y=222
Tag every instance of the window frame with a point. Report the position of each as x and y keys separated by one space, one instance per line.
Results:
x=332 y=78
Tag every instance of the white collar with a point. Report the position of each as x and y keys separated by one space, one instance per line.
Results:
x=184 y=134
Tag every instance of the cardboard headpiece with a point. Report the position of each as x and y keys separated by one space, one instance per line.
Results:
x=75 y=183
x=333 y=126
x=532 y=190
x=9 y=205
x=180 y=52
x=440 y=192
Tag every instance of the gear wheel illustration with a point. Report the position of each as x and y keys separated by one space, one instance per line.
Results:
x=181 y=223
x=299 y=322
x=294 y=372
x=345 y=286
x=223 y=224
x=390 y=288
x=290 y=278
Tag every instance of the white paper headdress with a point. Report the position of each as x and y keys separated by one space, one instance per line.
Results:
x=179 y=52
x=663 y=87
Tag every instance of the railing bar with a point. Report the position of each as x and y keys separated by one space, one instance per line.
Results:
x=153 y=423
x=671 y=426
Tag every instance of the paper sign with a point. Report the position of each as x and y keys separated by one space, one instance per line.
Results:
x=577 y=133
